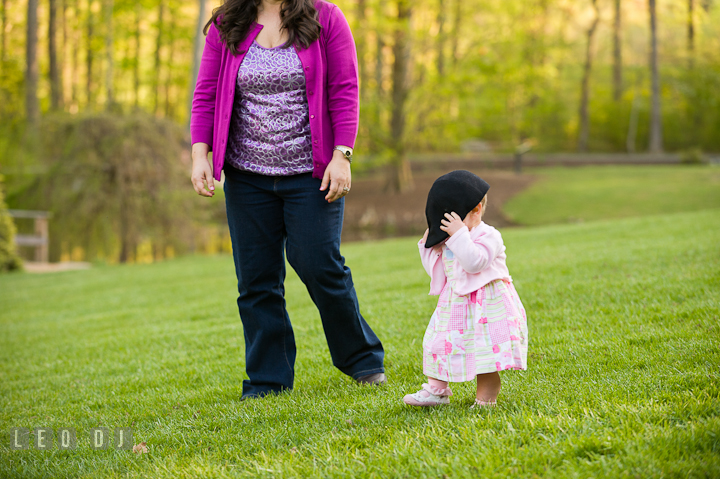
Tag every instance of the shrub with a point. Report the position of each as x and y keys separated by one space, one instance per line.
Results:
x=693 y=157
x=114 y=182
x=9 y=259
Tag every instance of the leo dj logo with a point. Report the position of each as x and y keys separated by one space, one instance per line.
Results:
x=66 y=439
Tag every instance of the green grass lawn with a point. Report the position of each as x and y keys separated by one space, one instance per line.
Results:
x=589 y=193
x=623 y=378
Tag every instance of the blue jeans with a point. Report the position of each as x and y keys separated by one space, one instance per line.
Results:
x=267 y=216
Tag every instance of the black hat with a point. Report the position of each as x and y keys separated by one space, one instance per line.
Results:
x=459 y=191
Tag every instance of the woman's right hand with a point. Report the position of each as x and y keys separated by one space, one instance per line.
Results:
x=201 y=171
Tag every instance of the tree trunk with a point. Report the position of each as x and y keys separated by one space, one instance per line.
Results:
x=400 y=176
x=128 y=214
x=655 y=118
x=126 y=245
x=379 y=64
x=197 y=54
x=378 y=140
x=3 y=22
x=691 y=34
x=136 y=60
x=109 y=42
x=75 y=72
x=63 y=51
x=89 y=58
x=617 y=52
x=169 y=113
x=634 y=114
x=55 y=83
x=456 y=31
x=158 y=62
x=584 y=130
x=32 y=107
x=361 y=45
x=440 y=41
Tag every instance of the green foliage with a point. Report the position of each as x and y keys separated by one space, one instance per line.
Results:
x=113 y=181
x=516 y=73
x=9 y=259
x=511 y=70
x=602 y=192
x=11 y=87
x=693 y=157
x=623 y=372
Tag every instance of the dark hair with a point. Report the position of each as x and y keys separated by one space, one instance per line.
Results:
x=234 y=18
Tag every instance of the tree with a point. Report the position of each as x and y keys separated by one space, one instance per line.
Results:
x=401 y=175
x=656 y=140
x=169 y=77
x=361 y=45
x=90 y=50
x=691 y=34
x=584 y=131
x=158 y=58
x=63 y=47
x=9 y=259
x=197 y=53
x=108 y=6
x=75 y=70
x=497 y=71
x=55 y=82
x=617 y=52
x=113 y=181
x=136 y=60
x=32 y=107
x=440 y=41
x=379 y=65
x=3 y=25
x=455 y=34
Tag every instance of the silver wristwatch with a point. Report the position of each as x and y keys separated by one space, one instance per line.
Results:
x=347 y=152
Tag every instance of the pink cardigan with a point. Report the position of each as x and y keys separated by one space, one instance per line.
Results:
x=480 y=253
x=331 y=79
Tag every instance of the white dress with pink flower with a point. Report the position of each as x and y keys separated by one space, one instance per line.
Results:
x=478 y=333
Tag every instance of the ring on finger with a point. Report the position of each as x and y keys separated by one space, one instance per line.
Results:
x=346 y=190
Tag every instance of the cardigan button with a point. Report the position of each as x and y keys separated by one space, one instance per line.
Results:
x=311 y=116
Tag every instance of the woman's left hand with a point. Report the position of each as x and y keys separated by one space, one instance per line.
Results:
x=337 y=177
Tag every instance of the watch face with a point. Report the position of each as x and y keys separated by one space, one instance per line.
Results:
x=348 y=154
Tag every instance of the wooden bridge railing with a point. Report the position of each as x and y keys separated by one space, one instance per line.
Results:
x=40 y=239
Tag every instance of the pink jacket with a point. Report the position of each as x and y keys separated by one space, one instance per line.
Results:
x=480 y=253
x=331 y=82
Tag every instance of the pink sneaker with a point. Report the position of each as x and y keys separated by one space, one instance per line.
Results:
x=428 y=396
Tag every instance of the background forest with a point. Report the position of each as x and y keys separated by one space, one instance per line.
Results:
x=95 y=98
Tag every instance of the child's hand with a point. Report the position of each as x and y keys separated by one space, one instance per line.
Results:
x=452 y=223
x=424 y=238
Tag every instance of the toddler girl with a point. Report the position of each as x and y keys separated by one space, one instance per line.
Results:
x=479 y=326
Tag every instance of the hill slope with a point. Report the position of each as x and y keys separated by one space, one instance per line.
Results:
x=623 y=373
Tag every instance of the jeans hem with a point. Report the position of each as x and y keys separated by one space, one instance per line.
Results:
x=262 y=394
x=367 y=372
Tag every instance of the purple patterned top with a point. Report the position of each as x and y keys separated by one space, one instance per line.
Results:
x=269 y=129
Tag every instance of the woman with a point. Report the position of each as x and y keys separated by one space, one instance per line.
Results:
x=277 y=103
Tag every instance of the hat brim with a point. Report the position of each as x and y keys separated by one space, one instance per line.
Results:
x=435 y=237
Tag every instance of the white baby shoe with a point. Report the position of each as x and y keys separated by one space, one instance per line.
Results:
x=428 y=396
